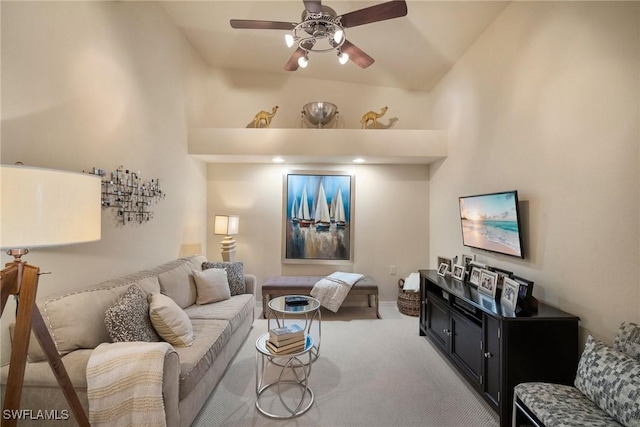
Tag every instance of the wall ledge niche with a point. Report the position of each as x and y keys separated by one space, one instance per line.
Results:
x=330 y=146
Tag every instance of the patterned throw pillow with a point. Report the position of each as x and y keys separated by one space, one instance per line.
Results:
x=128 y=318
x=611 y=379
x=628 y=340
x=235 y=275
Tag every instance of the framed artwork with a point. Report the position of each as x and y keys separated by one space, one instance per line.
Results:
x=442 y=270
x=488 y=282
x=474 y=276
x=447 y=261
x=509 y=298
x=318 y=213
x=458 y=272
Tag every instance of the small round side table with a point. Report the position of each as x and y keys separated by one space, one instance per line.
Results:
x=291 y=366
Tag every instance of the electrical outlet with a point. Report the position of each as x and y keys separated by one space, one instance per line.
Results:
x=392 y=270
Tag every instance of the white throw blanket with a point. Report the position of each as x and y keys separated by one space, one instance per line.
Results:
x=124 y=384
x=333 y=289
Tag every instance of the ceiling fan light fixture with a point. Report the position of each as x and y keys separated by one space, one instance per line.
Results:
x=289 y=40
x=338 y=36
x=303 y=61
x=343 y=57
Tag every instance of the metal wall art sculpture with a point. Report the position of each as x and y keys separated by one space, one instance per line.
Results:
x=128 y=194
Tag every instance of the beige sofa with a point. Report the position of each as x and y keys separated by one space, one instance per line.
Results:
x=76 y=323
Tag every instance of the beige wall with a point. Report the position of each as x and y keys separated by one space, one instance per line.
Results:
x=104 y=84
x=547 y=102
x=391 y=218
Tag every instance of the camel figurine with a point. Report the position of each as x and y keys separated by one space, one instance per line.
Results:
x=373 y=117
x=264 y=116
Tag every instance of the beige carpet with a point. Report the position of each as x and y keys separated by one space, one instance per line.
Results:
x=371 y=372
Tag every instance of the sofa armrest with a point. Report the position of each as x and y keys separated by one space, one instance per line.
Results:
x=250 y=283
x=170 y=387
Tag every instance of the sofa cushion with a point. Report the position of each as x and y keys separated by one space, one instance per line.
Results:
x=76 y=320
x=178 y=284
x=211 y=285
x=611 y=379
x=235 y=275
x=627 y=339
x=562 y=405
x=128 y=318
x=209 y=340
x=149 y=285
x=235 y=310
x=170 y=321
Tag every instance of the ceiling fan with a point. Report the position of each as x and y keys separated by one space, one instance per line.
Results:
x=322 y=30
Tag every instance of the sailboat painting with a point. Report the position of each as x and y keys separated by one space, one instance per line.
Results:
x=318 y=217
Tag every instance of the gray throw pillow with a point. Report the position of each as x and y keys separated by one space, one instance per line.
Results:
x=611 y=380
x=128 y=318
x=235 y=275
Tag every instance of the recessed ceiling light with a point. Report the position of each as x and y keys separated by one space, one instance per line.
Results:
x=358 y=160
x=277 y=160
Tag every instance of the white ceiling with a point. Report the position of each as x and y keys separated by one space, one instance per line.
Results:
x=411 y=52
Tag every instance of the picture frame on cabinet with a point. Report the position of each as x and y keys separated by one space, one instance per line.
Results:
x=502 y=274
x=525 y=291
x=466 y=259
x=458 y=272
x=442 y=270
x=509 y=297
x=474 y=276
x=445 y=260
x=488 y=282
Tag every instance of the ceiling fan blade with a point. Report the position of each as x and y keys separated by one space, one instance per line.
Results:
x=292 y=63
x=356 y=54
x=313 y=6
x=261 y=25
x=381 y=12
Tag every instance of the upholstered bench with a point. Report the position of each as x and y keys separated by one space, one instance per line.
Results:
x=606 y=390
x=302 y=285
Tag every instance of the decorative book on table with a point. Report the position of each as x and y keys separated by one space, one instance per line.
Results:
x=294 y=347
x=286 y=334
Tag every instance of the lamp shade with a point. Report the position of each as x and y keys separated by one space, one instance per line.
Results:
x=226 y=224
x=46 y=207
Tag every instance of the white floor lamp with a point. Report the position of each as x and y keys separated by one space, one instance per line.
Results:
x=41 y=208
x=227 y=225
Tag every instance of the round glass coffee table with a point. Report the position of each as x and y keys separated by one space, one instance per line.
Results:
x=281 y=313
x=293 y=396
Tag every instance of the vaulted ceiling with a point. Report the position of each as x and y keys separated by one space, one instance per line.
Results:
x=412 y=52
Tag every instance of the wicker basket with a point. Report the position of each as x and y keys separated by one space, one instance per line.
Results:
x=408 y=302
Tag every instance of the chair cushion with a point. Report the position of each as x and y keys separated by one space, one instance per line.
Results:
x=611 y=379
x=562 y=405
x=235 y=275
x=235 y=310
x=627 y=340
x=128 y=318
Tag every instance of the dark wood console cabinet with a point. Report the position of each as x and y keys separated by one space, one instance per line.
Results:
x=492 y=347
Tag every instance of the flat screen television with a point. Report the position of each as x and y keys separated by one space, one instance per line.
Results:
x=491 y=222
